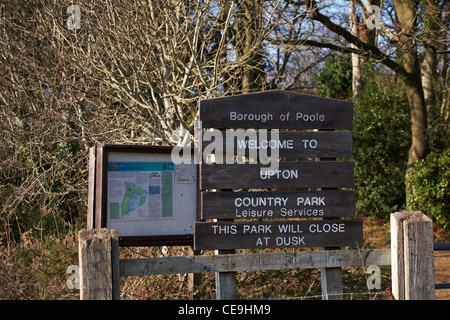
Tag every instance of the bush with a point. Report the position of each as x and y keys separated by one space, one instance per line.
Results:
x=335 y=79
x=381 y=134
x=430 y=187
x=381 y=140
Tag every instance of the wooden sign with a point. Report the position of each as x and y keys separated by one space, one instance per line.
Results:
x=290 y=144
x=264 y=141
x=277 y=234
x=277 y=204
x=326 y=174
x=276 y=110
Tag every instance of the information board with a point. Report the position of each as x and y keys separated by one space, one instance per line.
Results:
x=143 y=194
x=293 y=194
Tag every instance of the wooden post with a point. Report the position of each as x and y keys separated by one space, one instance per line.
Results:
x=115 y=264
x=412 y=256
x=91 y=188
x=331 y=280
x=397 y=256
x=225 y=281
x=194 y=279
x=97 y=266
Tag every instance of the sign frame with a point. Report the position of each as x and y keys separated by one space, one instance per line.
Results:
x=98 y=194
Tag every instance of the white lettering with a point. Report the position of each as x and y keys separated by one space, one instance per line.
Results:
x=301 y=212
x=289 y=228
x=260 y=201
x=285 y=174
x=311 y=201
x=312 y=144
x=309 y=117
x=265 y=144
x=261 y=117
x=254 y=213
x=221 y=229
x=259 y=228
x=289 y=241
x=327 y=227
x=260 y=243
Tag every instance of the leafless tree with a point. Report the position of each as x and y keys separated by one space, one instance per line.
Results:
x=118 y=71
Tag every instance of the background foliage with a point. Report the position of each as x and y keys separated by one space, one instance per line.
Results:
x=381 y=134
x=431 y=187
x=134 y=73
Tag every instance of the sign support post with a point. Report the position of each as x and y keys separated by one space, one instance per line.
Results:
x=331 y=278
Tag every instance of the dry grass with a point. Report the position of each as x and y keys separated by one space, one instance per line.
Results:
x=36 y=269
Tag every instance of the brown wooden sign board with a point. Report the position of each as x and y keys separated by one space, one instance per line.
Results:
x=277 y=204
x=277 y=234
x=290 y=174
x=276 y=110
x=243 y=119
x=290 y=144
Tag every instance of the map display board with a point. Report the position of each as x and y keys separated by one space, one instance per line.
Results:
x=140 y=190
x=142 y=193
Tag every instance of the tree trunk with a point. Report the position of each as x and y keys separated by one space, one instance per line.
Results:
x=406 y=13
x=252 y=59
x=429 y=76
x=356 y=58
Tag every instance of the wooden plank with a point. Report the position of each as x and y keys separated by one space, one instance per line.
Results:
x=95 y=264
x=397 y=252
x=91 y=188
x=115 y=264
x=288 y=144
x=419 y=259
x=254 y=262
x=226 y=288
x=276 y=234
x=100 y=188
x=330 y=174
x=331 y=282
x=277 y=204
x=194 y=279
x=276 y=110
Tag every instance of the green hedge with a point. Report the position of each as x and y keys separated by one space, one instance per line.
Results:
x=430 y=187
x=381 y=136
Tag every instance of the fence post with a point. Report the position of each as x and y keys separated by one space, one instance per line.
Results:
x=412 y=256
x=331 y=281
x=225 y=281
x=96 y=264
